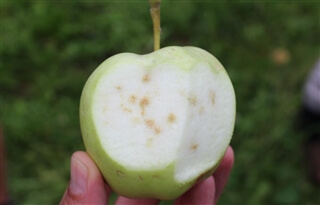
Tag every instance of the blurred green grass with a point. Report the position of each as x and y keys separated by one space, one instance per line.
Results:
x=49 y=48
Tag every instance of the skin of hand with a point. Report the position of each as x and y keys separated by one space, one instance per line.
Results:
x=87 y=185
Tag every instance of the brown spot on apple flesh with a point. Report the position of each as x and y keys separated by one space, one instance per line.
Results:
x=157 y=130
x=132 y=99
x=171 y=118
x=127 y=109
x=192 y=100
x=143 y=103
x=120 y=174
x=118 y=87
x=194 y=146
x=146 y=78
x=152 y=125
x=212 y=97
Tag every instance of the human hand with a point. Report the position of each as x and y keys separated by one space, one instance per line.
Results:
x=87 y=185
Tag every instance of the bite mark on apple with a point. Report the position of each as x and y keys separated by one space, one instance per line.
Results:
x=146 y=78
x=171 y=118
x=120 y=174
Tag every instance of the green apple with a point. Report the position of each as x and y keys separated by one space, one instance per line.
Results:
x=156 y=124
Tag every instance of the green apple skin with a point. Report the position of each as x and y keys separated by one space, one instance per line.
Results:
x=157 y=184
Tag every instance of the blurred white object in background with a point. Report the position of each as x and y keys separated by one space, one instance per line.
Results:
x=311 y=91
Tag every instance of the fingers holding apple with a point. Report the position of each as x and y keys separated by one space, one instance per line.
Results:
x=87 y=185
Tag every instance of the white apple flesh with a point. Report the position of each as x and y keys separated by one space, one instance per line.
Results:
x=156 y=124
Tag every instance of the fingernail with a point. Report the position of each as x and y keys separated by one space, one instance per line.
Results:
x=79 y=177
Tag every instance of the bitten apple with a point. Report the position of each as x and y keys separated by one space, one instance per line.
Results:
x=156 y=124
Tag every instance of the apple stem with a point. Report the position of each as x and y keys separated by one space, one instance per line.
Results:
x=155 y=15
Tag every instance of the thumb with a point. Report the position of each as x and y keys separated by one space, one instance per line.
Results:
x=86 y=185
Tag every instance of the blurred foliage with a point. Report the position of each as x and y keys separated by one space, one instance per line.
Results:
x=49 y=48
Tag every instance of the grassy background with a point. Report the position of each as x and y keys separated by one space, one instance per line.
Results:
x=49 y=48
